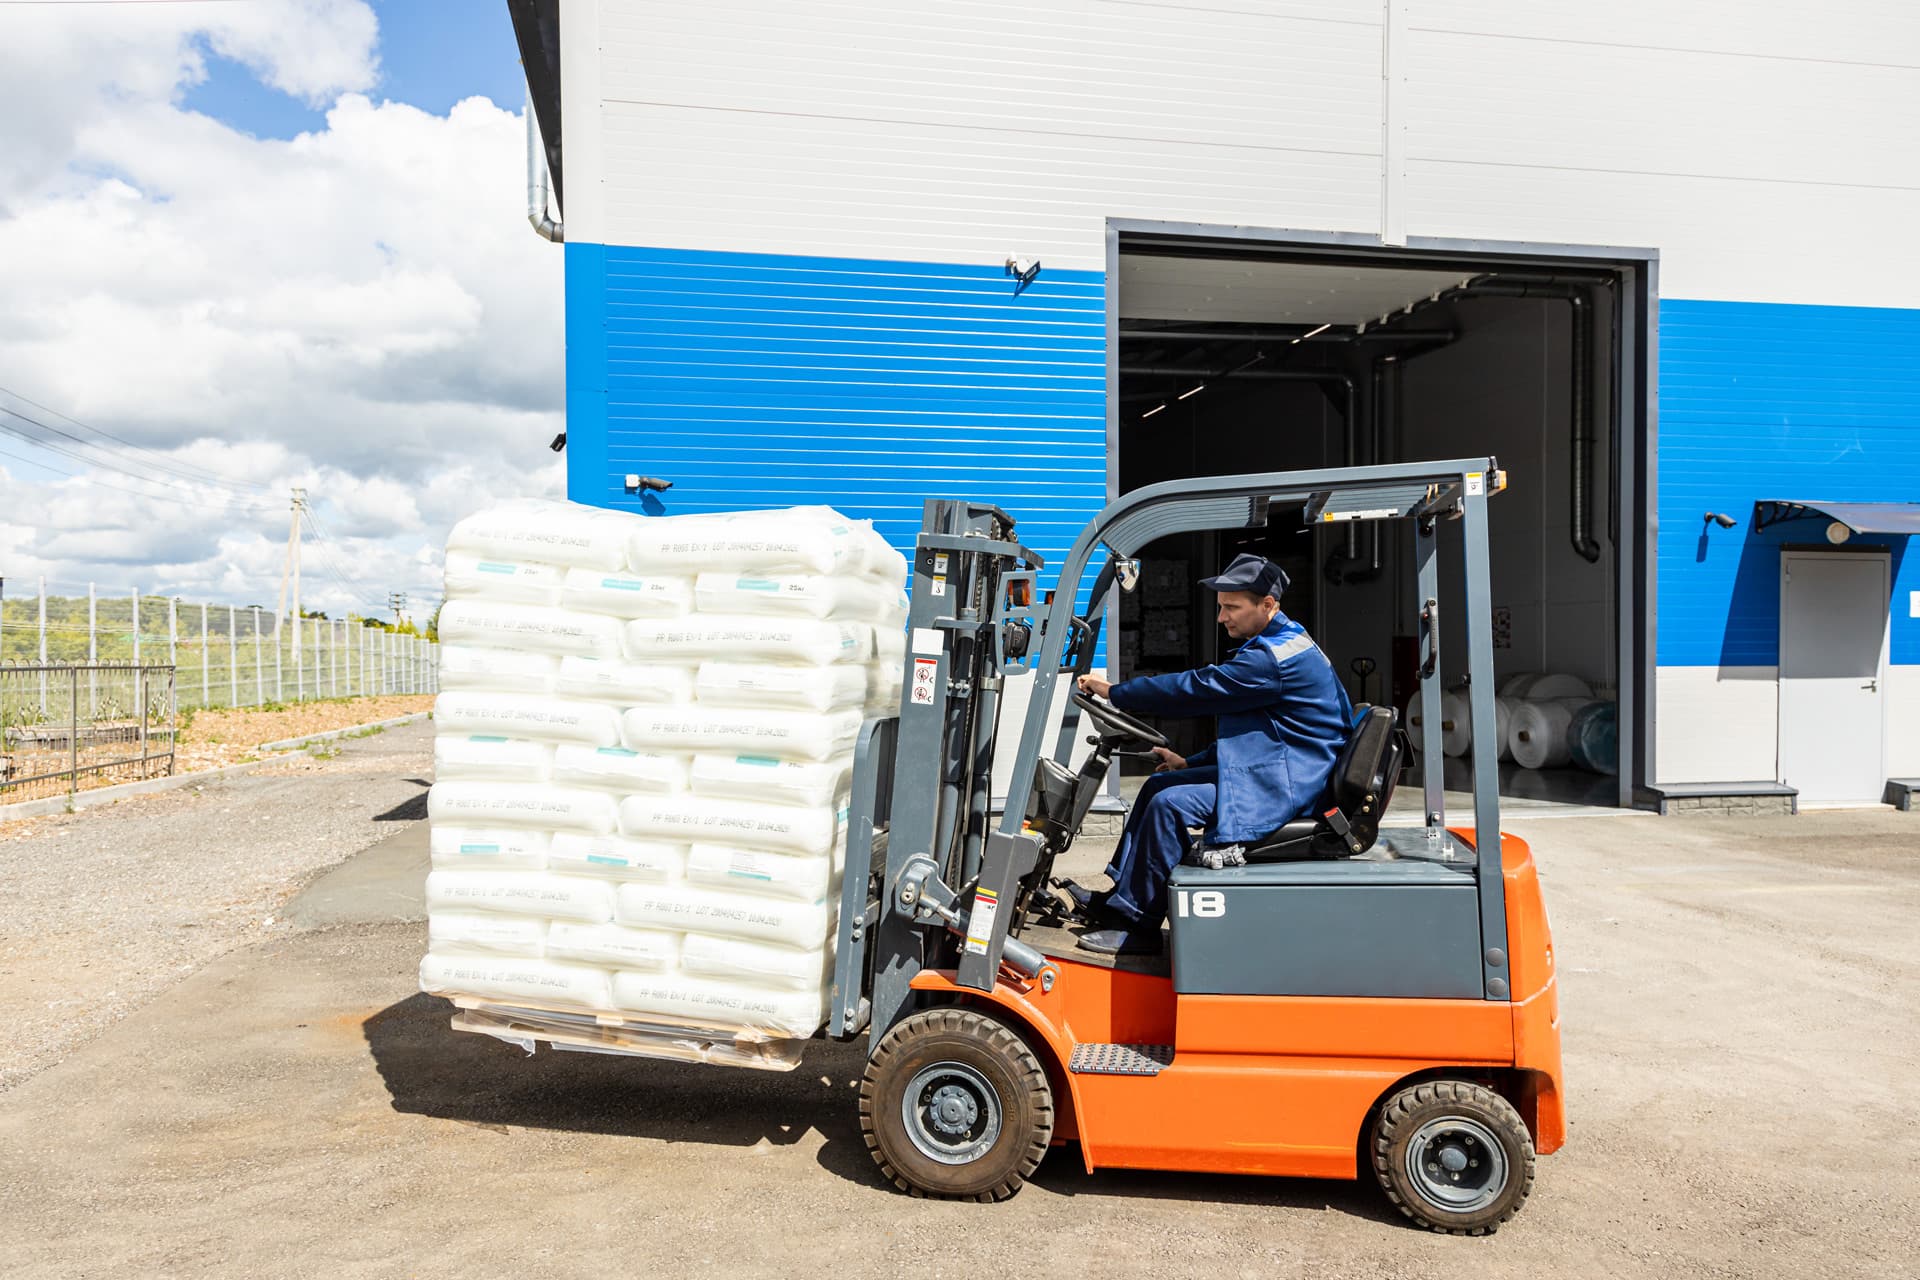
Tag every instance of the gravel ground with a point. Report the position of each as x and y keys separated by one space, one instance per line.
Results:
x=1740 y=1058
x=106 y=908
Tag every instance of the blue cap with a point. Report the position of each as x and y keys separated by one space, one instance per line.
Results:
x=1250 y=573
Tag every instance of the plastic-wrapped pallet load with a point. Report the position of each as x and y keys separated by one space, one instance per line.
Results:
x=646 y=742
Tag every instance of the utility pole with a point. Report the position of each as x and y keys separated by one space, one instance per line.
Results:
x=396 y=643
x=292 y=569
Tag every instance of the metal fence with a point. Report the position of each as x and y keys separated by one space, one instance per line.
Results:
x=67 y=727
x=224 y=656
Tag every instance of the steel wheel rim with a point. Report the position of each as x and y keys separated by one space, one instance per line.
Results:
x=1456 y=1165
x=952 y=1113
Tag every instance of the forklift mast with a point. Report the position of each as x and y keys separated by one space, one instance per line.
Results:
x=932 y=882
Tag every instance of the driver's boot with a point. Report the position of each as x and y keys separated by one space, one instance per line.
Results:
x=1087 y=903
x=1124 y=938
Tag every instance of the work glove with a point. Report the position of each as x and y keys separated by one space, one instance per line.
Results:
x=1218 y=857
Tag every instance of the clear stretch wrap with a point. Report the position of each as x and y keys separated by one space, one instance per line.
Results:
x=640 y=799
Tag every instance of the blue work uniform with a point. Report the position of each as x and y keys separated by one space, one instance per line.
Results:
x=1283 y=720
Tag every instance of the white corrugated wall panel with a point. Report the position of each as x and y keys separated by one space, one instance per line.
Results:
x=773 y=184
x=1722 y=724
x=1738 y=241
x=966 y=130
x=1902 y=703
x=1717 y=143
x=1875 y=31
x=1716 y=724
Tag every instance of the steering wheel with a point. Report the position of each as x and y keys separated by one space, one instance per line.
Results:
x=1115 y=723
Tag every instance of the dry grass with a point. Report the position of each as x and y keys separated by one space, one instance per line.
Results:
x=215 y=738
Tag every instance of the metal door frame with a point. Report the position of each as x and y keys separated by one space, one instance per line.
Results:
x=1636 y=405
x=1884 y=558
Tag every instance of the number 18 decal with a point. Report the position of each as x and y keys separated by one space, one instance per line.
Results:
x=1207 y=904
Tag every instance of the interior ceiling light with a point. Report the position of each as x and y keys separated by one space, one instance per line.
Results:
x=1196 y=391
x=1149 y=413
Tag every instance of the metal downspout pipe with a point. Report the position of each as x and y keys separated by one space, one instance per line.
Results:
x=1574 y=290
x=538 y=213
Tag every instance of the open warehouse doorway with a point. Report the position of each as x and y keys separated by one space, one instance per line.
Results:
x=1230 y=352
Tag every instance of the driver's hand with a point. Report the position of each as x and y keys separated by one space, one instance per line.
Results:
x=1096 y=686
x=1168 y=761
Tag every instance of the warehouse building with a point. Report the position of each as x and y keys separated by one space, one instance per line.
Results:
x=1043 y=252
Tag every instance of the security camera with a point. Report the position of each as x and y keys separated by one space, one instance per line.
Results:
x=559 y=442
x=1023 y=269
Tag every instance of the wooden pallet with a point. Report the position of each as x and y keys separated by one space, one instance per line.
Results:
x=649 y=1036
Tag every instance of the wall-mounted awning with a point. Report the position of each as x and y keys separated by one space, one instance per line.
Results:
x=1861 y=517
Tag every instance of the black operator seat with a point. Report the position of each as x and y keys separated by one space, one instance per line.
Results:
x=1363 y=780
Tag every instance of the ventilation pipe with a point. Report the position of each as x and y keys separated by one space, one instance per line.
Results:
x=538 y=213
x=1575 y=291
x=1383 y=416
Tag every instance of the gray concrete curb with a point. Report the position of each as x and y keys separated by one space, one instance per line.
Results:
x=107 y=795
x=286 y=744
x=147 y=786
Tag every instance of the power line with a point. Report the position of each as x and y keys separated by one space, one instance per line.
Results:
x=117 y=488
x=65 y=452
x=177 y=476
x=85 y=426
x=325 y=546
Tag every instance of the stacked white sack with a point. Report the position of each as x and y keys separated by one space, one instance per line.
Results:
x=646 y=737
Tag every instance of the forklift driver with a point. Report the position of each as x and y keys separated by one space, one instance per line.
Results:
x=1283 y=720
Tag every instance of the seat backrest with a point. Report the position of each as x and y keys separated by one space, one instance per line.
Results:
x=1365 y=772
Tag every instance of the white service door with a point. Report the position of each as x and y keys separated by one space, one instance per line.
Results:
x=1833 y=647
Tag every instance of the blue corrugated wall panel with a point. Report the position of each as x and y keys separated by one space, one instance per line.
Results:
x=753 y=380
x=1771 y=401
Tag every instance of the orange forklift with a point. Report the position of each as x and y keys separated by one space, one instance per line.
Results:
x=1357 y=997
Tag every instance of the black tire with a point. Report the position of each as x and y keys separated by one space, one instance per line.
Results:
x=1453 y=1156
x=981 y=1114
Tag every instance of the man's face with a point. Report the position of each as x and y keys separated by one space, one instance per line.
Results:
x=1244 y=614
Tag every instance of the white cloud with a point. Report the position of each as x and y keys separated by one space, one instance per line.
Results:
x=361 y=310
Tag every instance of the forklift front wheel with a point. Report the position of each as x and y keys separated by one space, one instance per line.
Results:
x=956 y=1106
x=1454 y=1156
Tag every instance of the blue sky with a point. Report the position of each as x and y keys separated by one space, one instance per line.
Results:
x=433 y=53
x=367 y=316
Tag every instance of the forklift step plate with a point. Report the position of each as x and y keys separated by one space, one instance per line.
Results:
x=1120 y=1059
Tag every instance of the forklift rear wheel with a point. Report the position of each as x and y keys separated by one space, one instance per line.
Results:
x=954 y=1105
x=1454 y=1156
